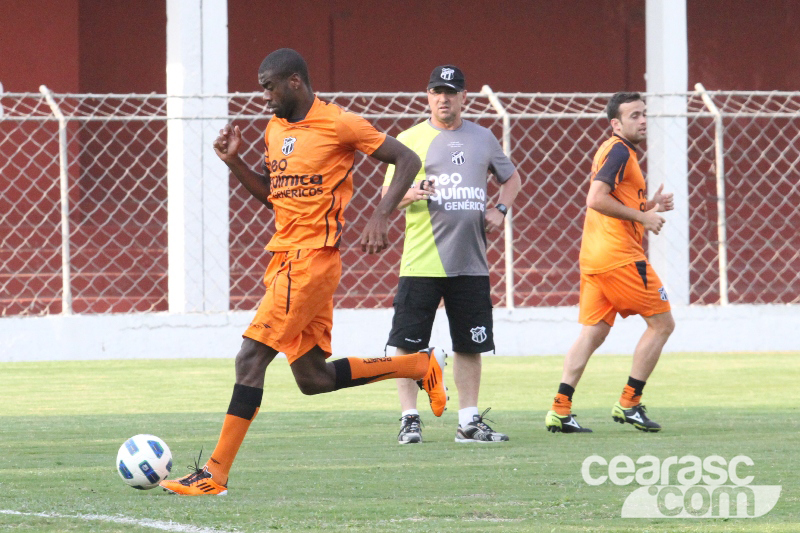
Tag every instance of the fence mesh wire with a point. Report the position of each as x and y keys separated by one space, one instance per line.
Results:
x=116 y=148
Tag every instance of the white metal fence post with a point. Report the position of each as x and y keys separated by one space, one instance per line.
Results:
x=66 y=291
x=508 y=224
x=668 y=141
x=216 y=224
x=199 y=276
x=719 y=168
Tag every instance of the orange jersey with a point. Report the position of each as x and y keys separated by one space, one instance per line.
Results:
x=608 y=242
x=310 y=166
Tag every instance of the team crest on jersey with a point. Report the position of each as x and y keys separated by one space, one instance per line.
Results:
x=478 y=334
x=663 y=293
x=457 y=157
x=288 y=145
x=447 y=74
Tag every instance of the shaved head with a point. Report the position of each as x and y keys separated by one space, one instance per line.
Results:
x=283 y=63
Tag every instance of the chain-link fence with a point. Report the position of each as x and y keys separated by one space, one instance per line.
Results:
x=84 y=207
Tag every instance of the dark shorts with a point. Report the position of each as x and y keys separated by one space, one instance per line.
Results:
x=467 y=302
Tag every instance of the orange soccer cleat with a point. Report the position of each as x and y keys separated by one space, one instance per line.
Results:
x=433 y=382
x=198 y=483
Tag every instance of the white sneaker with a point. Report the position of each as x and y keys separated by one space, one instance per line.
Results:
x=479 y=431
x=410 y=431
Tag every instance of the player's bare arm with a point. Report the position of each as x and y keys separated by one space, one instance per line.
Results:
x=508 y=193
x=665 y=201
x=422 y=191
x=227 y=147
x=599 y=199
x=375 y=237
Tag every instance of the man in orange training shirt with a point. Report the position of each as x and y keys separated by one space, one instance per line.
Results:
x=307 y=180
x=615 y=274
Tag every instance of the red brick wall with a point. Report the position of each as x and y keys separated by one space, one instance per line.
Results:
x=360 y=45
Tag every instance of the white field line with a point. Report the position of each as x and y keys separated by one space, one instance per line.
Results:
x=143 y=522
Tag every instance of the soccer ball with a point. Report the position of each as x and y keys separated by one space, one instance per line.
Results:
x=143 y=461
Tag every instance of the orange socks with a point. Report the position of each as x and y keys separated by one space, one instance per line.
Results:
x=631 y=393
x=243 y=408
x=562 y=403
x=352 y=371
x=631 y=396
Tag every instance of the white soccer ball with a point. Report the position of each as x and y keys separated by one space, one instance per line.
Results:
x=143 y=461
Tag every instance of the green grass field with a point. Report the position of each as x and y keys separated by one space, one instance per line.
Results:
x=332 y=462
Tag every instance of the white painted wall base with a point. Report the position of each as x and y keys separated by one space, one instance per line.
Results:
x=532 y=331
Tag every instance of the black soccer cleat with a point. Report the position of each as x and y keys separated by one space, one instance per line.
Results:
x=556 y=423
x=635 y=415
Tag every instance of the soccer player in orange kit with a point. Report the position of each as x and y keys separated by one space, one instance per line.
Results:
x=616 y=277
x=307 y=179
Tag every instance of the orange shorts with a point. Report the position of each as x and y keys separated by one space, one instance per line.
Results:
x=296 y=312
x=633 y=289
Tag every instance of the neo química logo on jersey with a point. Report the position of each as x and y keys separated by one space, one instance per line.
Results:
x=685 y=487
x=453 y=197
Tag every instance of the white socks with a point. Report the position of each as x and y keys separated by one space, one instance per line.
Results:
x=465 y=415
x=409 y=412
